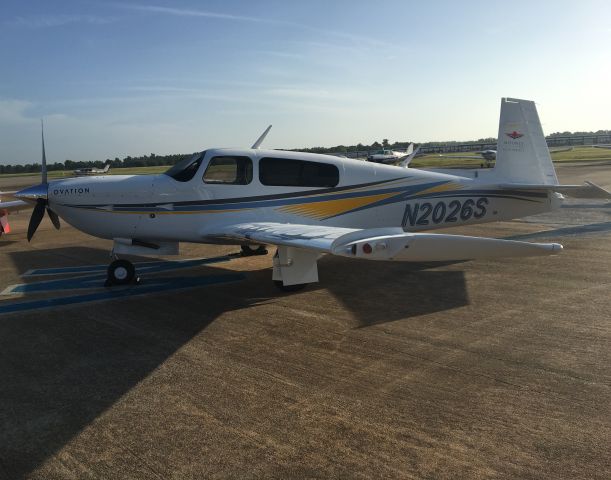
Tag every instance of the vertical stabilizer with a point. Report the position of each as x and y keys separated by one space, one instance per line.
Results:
x=522 y=153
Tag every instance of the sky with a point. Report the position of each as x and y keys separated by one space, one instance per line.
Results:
x=113 y=79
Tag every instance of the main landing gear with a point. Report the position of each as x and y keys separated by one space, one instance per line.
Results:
x=249 y=251
x=121 y=272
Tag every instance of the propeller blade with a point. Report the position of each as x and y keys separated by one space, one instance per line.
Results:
x=54 y=218
x=36 y=218
x=44 y=157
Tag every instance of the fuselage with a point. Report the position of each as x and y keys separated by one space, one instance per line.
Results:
x=229 y=186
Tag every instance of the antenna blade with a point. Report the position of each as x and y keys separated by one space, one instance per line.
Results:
x=261 y=138
x=44 y=157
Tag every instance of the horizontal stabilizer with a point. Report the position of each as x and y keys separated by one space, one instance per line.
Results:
x=588 y=190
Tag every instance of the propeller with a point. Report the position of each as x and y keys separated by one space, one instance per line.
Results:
x=39 y=193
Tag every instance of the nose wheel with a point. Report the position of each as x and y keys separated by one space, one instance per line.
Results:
x=120 y=272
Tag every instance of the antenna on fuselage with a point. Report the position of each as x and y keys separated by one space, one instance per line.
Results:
x=259 y=141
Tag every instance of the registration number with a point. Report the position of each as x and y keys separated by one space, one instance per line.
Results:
x=444 y=212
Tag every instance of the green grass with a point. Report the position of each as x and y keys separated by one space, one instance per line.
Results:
x=579 y=154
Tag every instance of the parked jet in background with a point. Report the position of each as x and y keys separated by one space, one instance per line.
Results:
x=84 y=172
x=309 y=204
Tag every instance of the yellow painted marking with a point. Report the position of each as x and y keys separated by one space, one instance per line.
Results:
x=329 y=208
x=440 y=188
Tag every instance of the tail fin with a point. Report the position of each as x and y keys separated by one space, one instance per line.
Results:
x=522 y=152
x=107 y=167
x=408 y=158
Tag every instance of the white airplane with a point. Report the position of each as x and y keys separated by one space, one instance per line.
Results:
x=84 y=172
x=394 y=156
x=308 y=205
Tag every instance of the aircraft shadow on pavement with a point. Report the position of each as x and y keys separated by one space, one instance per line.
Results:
x=380 y=292
x=61 y=368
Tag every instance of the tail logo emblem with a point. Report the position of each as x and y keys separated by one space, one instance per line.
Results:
x=515 y=135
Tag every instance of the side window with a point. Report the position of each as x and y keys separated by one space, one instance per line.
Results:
x=297 y=173
x=229 y=170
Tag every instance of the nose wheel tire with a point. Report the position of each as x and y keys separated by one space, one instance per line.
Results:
x=120 y=272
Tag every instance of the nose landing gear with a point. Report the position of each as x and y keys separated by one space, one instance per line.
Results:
x=121 y=272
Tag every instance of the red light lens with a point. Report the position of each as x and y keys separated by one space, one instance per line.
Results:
x=367 y=248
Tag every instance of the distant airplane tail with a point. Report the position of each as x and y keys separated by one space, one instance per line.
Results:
x=411 y=154
x=106 y=168
x=522 y=153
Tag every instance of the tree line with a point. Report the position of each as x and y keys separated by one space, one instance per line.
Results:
x=153 y=160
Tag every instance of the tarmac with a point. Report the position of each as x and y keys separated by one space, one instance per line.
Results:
x=487 y=369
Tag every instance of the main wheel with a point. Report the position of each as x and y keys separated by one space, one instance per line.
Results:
x=248 y=251
x=289 y=288
x=120 y=272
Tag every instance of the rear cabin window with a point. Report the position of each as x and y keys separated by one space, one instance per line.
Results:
x=229 y=170
x=297 y=173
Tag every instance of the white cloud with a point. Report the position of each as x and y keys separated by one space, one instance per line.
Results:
x=182 y=12
x=359 y=40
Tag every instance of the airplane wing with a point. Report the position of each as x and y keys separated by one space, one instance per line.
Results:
x=11 y=205
x=14 y=205
x=378 y=243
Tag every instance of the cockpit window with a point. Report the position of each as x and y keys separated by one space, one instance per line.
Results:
x=186 y=169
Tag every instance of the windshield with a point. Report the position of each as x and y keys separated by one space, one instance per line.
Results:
x=184 y=170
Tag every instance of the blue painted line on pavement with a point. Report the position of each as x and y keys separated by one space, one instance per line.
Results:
x=140 y=265
x=167 y=285
x=93 y=281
